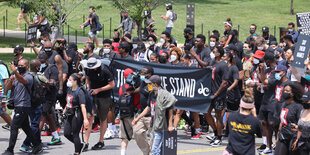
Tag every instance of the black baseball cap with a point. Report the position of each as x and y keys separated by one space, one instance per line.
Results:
x=188 y=30
x=230 y=47
x=19 y=48
x=265 y=29
x=305 y=97
x=124 y=45
x=154 y=79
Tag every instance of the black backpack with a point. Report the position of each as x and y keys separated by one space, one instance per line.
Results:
x=126 y=106
x=88 y=98
x=38 y=91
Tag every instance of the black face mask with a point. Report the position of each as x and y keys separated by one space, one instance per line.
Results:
x=252 y=31
x=21 y=69
x=162 y=60
x=15 y=54
x=306 y=105
x=48 y=51
x=86 y=51
x=277 y=56
x=116 y=39
x=186 y=36
x=287 y=96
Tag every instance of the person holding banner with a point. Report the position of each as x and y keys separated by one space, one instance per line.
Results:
x=160 y=103
x=219 y=83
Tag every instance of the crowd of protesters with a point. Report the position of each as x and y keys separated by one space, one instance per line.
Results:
x=255 y=91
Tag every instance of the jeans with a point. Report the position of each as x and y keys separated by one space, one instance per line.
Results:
x=169 y=29
x=157 y=143
x=20 y=120
x=35 y=118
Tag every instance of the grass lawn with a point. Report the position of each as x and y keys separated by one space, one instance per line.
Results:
x=8 y=57
x=12 y=42
x=210 y=13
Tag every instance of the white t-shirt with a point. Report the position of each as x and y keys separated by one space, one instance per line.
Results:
x=169 y=22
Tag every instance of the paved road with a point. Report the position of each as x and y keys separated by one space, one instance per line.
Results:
x=185 y=145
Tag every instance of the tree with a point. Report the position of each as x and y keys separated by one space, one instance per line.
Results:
x=135 y=9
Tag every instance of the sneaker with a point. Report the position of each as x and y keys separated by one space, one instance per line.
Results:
x=108 y=134
x=210 y=138
x=117 y=121
x=55 y=141
x=85 y=148
x=58 y=129
x=196 y=136
x=217 y=142
x=38 y=149
x=261 y=148
x=98 y=146
x=266 y=151
x=44 y=147
x=7 y=152
x=25 y=148
x=115 y=134
x=47 y=133
x=96 y=129
x=6 y=127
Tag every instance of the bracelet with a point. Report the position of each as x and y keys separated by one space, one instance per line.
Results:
x=4 y=96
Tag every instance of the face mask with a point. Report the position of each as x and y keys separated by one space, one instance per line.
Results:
x=42 y=66
x=255 y=61
x=90 y=11
x=278 y=76
x=290 y=30
x=106 y=50
x=306 y=105
x=252 y=31
x=225 y=61
x=142 y=77
x=15 y=54
x=212 y=44
x=277 y=56
x=48 y=51
x=162 y=40
x=173 y=58
x=42 y=42
x=21 y=69
x=284 y=44
x=307 y=77
x=151 y=43
x=287 y=96
x=69 y=84
x=134 y=45
x=116 y=39
x=260 y=48
x=185 y=36
x=212 y=56
x=86 y=51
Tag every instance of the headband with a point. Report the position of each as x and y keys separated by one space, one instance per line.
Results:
x=76 y=78
x=246 y=105
x=228 y=24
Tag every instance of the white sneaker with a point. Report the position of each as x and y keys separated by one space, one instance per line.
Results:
x=108 y=134
x=217 y=142
x=115 y=134
x=97 y=49
x=266 y=151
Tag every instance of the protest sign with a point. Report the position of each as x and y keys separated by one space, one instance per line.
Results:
x=32 y=33
x=303 y=23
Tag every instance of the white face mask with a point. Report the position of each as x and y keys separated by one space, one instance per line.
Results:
x=212 y=44
x=134 y=45
x=162 y=40
x=106 y=50
x=255 y=61
x=260 y=48
x=284 y=44
x=42 y=42
x=225 y=61
x=212 y=55
x=69 y=84
x=173 y=58
x=151 y=43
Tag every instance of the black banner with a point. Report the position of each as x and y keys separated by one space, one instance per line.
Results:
x=301 y=51
x=303 y=23
x=32 y=33
x=191 y=86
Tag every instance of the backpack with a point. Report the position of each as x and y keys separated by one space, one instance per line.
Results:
x=38 y=90
x=99 y=26
x=126 y=106
x=174 y=16
x=88 y=98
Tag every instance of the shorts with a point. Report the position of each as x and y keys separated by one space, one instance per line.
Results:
x=233 y=106
x=47 y=107
x=265 y=113
x=92 y=35
x=219 y=104
x=129 y=129
x=101 y=106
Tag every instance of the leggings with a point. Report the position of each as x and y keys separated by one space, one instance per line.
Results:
x=72 y=129
x=282 y=148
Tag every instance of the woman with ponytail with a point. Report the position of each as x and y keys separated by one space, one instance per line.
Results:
x=228 y=32
x=242 y=127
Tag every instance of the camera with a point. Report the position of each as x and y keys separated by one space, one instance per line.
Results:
x=133 y=80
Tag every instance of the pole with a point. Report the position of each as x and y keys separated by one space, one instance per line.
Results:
x=6 y=18
x=25 y=35
x=239 y=29
x=202 y=28
x=209 y=36
x=274 y=31
x=83 y=26
x=110 y=27
x=75 y=36
x=68 y=34
x=4 y=26
x=103 y=31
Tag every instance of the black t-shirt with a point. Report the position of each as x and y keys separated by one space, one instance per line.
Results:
x=241 y=129
x=227 y=34
x=86 y=57
x=204 y=55
x=51 y=72
x=270 y=39
x=233 y=73
x=16 y=60
x=94 y=20
x=278 y=96
x=144 y=95
x=72 y=65
x=238 y=63
x=220 y=70
x=152 y=104
x=73 y=102
x=269 y=90
x=100 y=78
x=190 y=42
x=290 y=113
x=239 y=51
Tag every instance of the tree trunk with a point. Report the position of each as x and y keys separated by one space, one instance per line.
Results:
x=292 y=7
x=139 y=30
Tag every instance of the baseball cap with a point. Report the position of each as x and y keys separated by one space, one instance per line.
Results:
x=279 y=49
x=230 y=47
x=280 y=68
x=141 y=47
x=259 y=54
x=135 y=40
x=124 y=45
x=19 y=48
x=127 y=71
x=169 y=4
x=188 y=30
x=154 y=79
x=305 y=97
x=265 y=29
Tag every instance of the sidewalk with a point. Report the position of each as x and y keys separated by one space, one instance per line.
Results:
x=21 y=34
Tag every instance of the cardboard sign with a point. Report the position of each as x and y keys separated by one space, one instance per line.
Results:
x=303 y=23
x=32 y=33
x=169 y=146
x=301 y=53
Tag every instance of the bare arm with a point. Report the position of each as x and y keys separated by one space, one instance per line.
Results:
x=33 y=46
x=18 y=77
x=109 y=86
x=200 y=62
x=58 y=61
x=144 y=112
x=67 y=59
x=228 y=40
x=295 y=73
x=234 y=84
x=87 y=83
x=170 y=127
x=222 y=87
